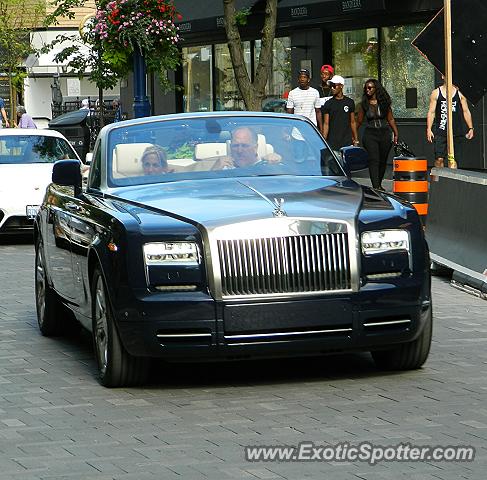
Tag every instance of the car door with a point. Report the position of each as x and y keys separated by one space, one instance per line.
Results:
x=83 y=229
x=58 y=241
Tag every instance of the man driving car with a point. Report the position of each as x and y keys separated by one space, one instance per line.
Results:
x=243 y=151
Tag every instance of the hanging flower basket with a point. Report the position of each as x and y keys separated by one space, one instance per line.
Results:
x=122 y=27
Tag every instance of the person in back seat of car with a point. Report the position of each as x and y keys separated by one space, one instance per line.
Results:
x=243 y=152
x=154 y=161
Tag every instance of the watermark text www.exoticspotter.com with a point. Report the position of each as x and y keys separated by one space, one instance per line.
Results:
x=363 y=452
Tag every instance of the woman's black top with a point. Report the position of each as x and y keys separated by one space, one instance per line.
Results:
x=375 y=116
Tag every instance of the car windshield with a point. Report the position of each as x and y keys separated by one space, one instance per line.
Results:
x=16 y=149
x=216 y=146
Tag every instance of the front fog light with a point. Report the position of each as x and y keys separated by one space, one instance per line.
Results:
x=382 y=241
x=171 y=253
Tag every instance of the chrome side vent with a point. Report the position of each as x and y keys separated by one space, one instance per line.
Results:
x=293 y=264
x=183 y=338
x=373 y=325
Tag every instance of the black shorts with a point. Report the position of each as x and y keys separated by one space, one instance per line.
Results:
x=441 y=146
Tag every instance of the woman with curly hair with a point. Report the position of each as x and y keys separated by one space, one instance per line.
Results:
x=376 y=111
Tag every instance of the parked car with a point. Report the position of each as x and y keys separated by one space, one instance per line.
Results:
x=26 y=160
x=277 y=105
x=213 y=257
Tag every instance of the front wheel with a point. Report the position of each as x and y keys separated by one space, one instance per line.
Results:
x=48 y=306
x=116 y=367
x=407 y=356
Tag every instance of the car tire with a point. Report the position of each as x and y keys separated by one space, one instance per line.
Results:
x=407 y=356
x=48 y=306
x=116 y=367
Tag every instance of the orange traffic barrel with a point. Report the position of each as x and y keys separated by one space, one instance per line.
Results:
x=411 y=182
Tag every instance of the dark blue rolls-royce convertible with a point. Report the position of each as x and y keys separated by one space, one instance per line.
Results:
x=229 y=235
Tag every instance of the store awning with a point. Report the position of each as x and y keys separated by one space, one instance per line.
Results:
x=208 y=16
x=46 y=62
x=205 y=16
x=310 y=9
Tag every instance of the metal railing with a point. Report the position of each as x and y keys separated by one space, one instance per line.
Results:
x=95 y=122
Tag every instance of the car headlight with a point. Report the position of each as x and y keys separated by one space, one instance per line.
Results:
x=382 y=241
x=171 y=253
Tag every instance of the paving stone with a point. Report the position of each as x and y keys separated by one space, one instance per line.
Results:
x=193 y=421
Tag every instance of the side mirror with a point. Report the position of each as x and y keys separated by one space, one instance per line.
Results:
x=67 y=173
x=88 y=158
x=354 y=159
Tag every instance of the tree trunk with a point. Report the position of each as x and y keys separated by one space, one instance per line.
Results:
x=252 y=92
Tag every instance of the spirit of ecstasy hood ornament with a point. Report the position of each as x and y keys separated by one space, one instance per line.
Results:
x=279 y=212
x=277 y=203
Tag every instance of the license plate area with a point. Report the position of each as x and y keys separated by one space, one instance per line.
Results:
x=296 y=316
x=31 y=211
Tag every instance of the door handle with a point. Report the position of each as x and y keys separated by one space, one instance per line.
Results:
x=73 y=206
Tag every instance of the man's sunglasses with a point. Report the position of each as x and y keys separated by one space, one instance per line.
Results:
x=241 y=145
x=333 y=85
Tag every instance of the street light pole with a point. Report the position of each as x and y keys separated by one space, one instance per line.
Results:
x=141 y=101
x=449 y=83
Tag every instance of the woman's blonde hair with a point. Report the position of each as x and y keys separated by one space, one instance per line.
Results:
x=159 y=152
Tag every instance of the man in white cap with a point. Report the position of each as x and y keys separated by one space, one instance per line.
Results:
x=305 y=100
x=339 y=127
x=85 y=104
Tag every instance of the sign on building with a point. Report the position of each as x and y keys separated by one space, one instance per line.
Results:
x=73 y=87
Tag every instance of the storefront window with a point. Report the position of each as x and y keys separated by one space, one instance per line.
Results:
x=407 y=76
x=227 y=93
x=280 y=77
x=197 y=79
x=356 y=58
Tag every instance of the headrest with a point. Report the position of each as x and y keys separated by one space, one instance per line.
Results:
x=263 y=148
x=126 y=159
x=208 y=150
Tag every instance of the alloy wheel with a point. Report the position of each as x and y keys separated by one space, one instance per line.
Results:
x=40 y=286
x=101 y=326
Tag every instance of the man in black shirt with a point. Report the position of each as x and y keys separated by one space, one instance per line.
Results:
x=324 y=89
x=339 y=127
x=326 y=73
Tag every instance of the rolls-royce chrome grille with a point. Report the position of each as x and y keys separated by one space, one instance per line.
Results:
x=293 y=264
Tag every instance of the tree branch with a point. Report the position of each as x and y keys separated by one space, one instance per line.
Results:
x=265 y=56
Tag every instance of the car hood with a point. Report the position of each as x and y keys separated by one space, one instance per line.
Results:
x=26 y=182
x=225 y=201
